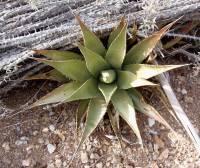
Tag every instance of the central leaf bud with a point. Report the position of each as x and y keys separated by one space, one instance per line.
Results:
x=107 y=76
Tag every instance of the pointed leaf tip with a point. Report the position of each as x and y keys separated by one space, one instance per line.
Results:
x=117 y=49
x=116 y=31
x=59 y=55
x=124 y=106
x=127 y=79
x=140 y=51
x=91 y=41
x=146 y=71
x=96 y=110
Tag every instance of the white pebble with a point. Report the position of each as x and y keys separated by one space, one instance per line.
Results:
x=151 y=122
x=183 y=91
x=84 y=157
x=45 y=130
x=51 y=148
x=52 y=128
x=26 y=163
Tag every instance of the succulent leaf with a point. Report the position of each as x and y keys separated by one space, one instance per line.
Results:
x=94 y=62
x=117 y=49
x=145 y=108
x=140 y=51
x=58 y=55
x=146 y=71
x=91 y=41
x=107 y=90
x=51 y=75
x=81 y=112
x=59 y=94
x=124 y=106
x=116 y=31
x=87 y=90
x=96 y=110
x=127 y=79
x=70 y=68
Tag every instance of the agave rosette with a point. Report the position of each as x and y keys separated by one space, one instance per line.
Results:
x=101 y=76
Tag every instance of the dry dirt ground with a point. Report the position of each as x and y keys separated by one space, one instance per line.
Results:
x=46 y=137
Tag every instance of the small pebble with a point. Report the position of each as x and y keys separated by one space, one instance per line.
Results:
x=84 y=157
x=35 y=133
x=151 y=122
x=45 y=130
x=6 y=146
x=52 y=128
x=20 y=142
x=164 y=154
x=99 y=165
x=26 y=163
x=58 y=163
x=40 y=140
x=51 y=148
x=183 y=91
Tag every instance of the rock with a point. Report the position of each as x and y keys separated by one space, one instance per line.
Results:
x=99 y=165
x=24 y=138
x=45 y=130
x=35 y=133
x=52 y=128
x=92 y=156
x=184 y=92
x=88 y=147
x=159 y=142
x=58 y=163
x=26 y=163
x=151 y=122
x=64 y=164
x=154 y=165
x=164 y=154
x=84 y=157
x=21 y=142
x=51 y=148
x=6 y=146
x=40 y=140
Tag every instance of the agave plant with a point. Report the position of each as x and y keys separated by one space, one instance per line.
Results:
x=101 y=76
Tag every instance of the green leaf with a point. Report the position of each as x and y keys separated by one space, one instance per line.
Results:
x=58 y=55
x=116 y=31
x=127 y=79
x=96 y=110
x=91 y=41
x=94 y=62
x=81 y=112
x=146 y=71
x=107 y=90
x=117 y=50
x=145 y=108
x=124 y=106
x=51 y=75
x=58 y=95
x=70 y=92
x=87 y=90
x=73 y=69
x=140 y=51
x=114 y=120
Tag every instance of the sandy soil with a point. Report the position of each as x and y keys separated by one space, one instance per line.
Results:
x=43 y=137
